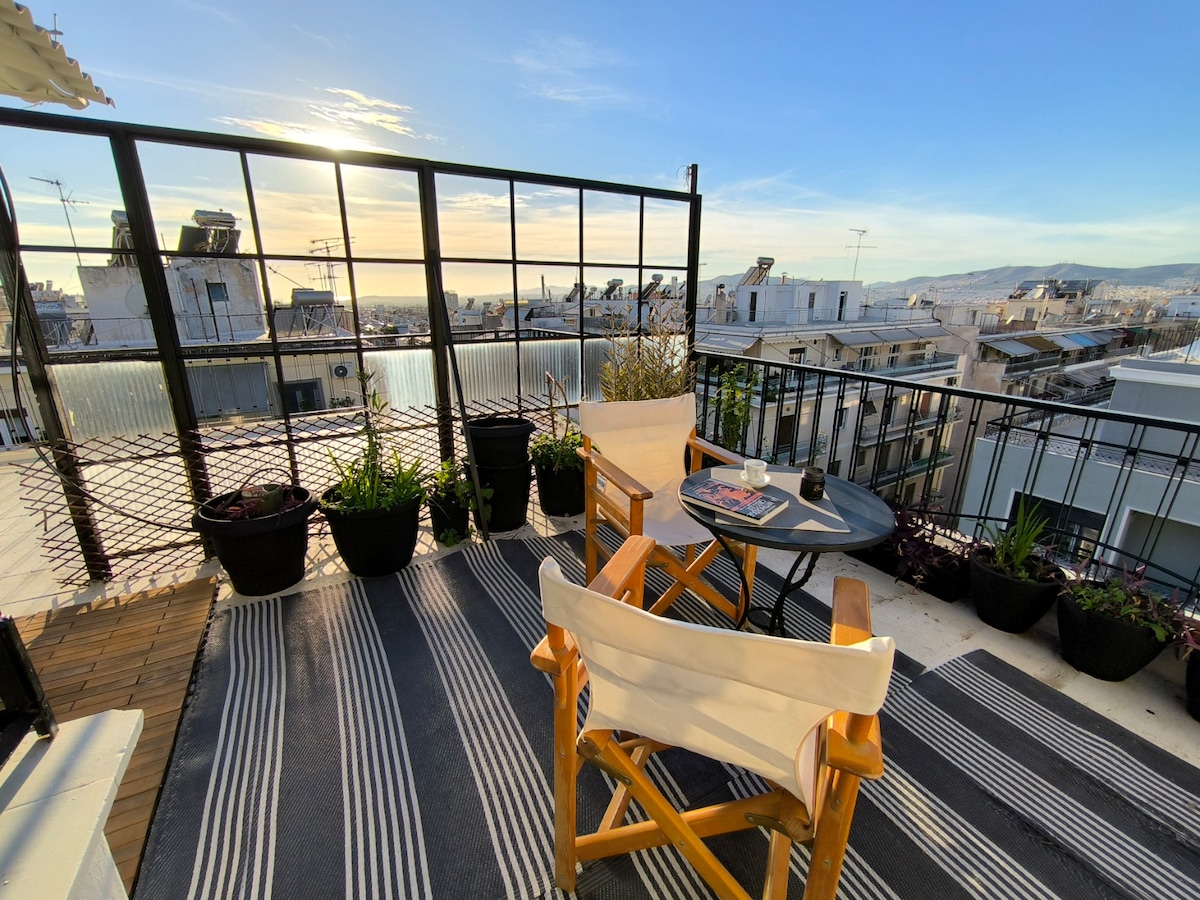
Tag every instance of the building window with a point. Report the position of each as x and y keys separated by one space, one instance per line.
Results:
x=835 y=467
x=753 y=305
x=796 y=355
x=812 y=299
x=217 y=292
x=862 y=459
x=839 y=419
x=893 y=355
x=842 y=298
x=837 y=354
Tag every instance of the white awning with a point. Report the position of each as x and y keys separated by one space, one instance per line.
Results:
x=37 y=69
x=897 y=335
x=1011 y=348
x=928 y=331
x=723 y=342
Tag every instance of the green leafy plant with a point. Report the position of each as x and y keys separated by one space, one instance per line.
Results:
x=450 y=486
x=1125 y=597
x=649 y=365
x=552 y=451
x=734 y=395
x=379 y=478
x=1015 y=550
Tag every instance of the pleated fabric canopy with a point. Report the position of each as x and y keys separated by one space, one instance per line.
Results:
x=36 y=68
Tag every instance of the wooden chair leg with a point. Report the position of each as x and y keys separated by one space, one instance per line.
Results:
x=832 y=835
x=566 y=774
x=779 y=855
x=685 y=840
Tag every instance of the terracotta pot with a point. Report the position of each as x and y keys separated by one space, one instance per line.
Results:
x=1101 y=646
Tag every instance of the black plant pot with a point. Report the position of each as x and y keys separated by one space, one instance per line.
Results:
x=501 y=445
x=559 y=493
x=1101 y=646
x=264 y=555
x=1192 y=680
x=949 y=580
x=1009 y=604
x=376 y=542
x=446 y=517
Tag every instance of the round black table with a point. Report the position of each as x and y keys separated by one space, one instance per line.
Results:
x=869 y=519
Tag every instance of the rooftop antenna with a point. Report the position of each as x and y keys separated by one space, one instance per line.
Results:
x=326 y=245
x=857 y=249
x=64 y=200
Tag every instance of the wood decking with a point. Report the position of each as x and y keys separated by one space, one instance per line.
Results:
x=130 y=653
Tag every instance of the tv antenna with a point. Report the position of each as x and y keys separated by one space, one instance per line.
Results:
x=65 y=199
x=326 y=246
x=858 y=249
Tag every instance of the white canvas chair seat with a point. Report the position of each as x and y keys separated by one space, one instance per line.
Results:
x=798 y=713
x=636 y=453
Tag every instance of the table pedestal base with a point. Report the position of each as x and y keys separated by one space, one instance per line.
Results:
x=770 y=619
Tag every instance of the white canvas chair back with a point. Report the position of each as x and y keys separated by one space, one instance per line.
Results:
x=646 y=439
x=751 y=700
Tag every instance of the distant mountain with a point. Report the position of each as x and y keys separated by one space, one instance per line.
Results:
x=1000 y=282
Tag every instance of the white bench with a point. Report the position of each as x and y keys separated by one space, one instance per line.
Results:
x=55 y=796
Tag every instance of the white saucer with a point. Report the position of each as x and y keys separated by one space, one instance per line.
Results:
x=754 y=484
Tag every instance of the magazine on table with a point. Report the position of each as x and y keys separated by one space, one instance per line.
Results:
x=742 y=504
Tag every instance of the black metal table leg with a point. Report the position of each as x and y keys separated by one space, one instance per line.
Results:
x=775 y=620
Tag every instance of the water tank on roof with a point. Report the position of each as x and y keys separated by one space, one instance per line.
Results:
x=304 y=297
x=206 y=218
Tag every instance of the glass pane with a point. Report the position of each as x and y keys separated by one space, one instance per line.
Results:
x=198 y=198
x=610 y=228
x=233 y=390
x=113 y=399
x=665 y=236
x=64 y=187
x=58 y=298
x=311 y=300
x=547 y=223
x=384 y=211
x=559 y=357
x=548 y=299
x=297 y=206
x=392 y=305
x=611 y=292
x=15 y=428
x=479 y=297
x=473 y=217
x=216 y=300
x=489 y=371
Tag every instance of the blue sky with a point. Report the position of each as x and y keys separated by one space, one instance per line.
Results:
x=963 y=136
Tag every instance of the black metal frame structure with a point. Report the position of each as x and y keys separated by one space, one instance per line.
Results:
x=217 y=456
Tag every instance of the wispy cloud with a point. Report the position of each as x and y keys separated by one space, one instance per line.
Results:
x=209 y=9
x=357 y=110
x=319 y=38
x=564 y=69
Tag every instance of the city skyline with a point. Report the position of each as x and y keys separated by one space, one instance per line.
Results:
x=959 y=139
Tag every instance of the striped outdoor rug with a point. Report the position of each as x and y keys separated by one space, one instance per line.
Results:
x=388 y=738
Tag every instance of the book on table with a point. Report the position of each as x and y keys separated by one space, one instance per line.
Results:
x=743 y=504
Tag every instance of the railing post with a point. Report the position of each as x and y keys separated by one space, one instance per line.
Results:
x=28 y=336
x=439 y=335
x=162 y=316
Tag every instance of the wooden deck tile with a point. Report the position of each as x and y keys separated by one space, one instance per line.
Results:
x=131 y=653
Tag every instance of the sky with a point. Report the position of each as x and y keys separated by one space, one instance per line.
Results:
x=960 y=136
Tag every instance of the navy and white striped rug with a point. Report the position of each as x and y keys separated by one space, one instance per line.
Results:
x=388 y=738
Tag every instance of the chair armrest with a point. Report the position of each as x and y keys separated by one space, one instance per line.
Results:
x=851 y=620
x=622 y=578
x=864 y=757
x=616 y=476
x=625 y=572
x=716 y=451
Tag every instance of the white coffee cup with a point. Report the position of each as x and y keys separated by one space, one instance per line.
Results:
x=755 y=471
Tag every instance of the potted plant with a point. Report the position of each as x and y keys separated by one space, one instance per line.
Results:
x=1111 y=628
x=649 y=363
x=374 y=509
x=259 y=533
x=1188 y=642
x=734 y=396
x=557 y=464
x=936 y=562
x=1011 y=580
x=451 y=497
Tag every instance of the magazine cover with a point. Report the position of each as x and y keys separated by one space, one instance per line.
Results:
x=739 y=502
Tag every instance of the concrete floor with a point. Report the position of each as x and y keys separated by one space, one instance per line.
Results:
x=1151 y=703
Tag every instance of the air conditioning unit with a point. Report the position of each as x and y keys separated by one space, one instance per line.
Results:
x=340 y=370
